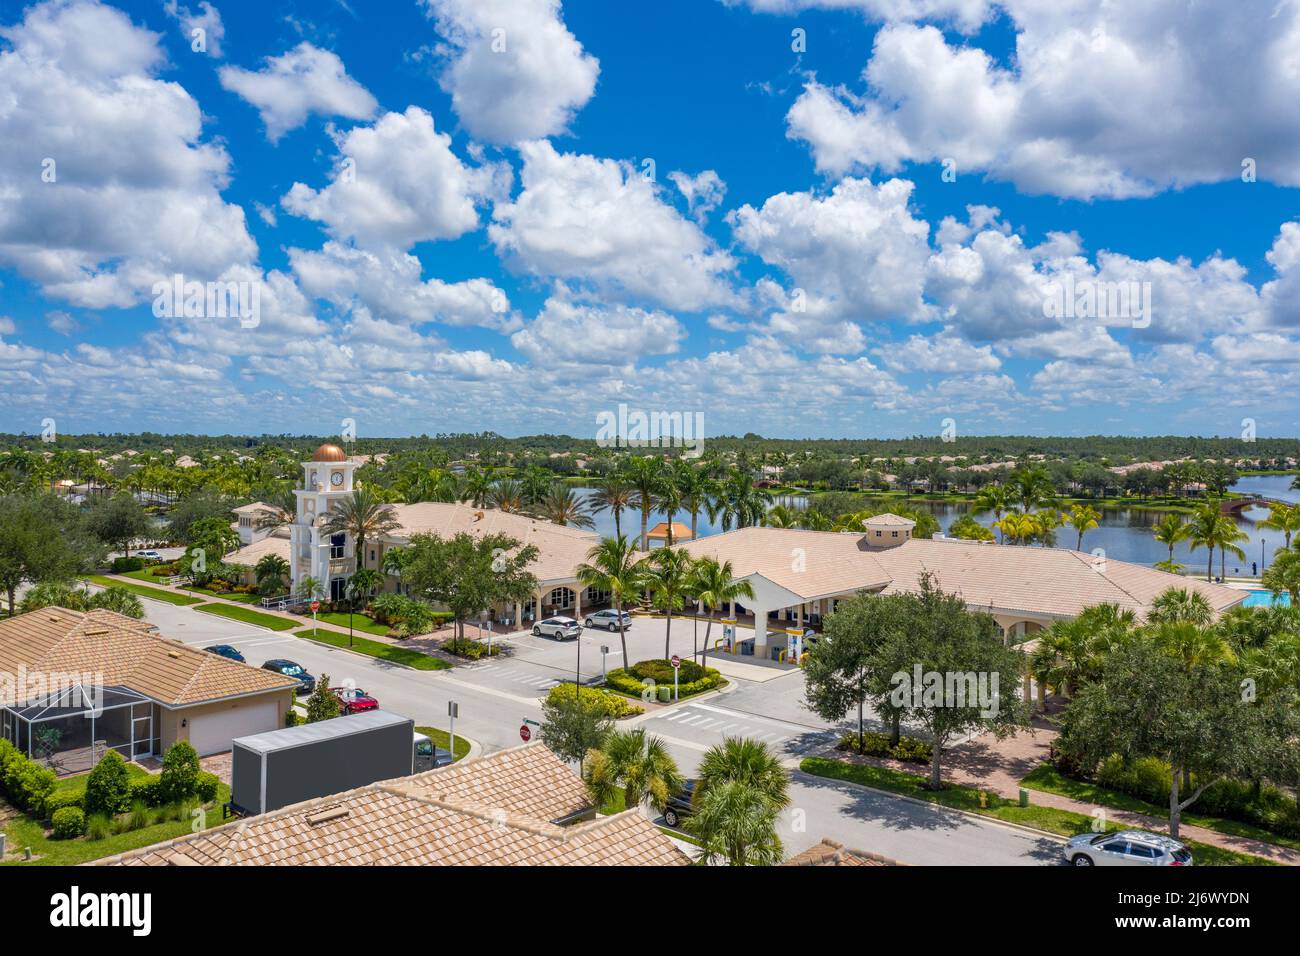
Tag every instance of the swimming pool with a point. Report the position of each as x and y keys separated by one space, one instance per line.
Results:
x=1265 y=598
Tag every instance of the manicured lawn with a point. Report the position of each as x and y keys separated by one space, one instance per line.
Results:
x=25 y=832
x=248 y=616
x=441 y=739
x=360 y=622
x=1050 y=780
x=154 y=594
x=383 y=652
x=1060 y=822
x=228 y=595
x=77 y=782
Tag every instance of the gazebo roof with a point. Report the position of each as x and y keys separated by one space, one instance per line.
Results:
x=660 y=532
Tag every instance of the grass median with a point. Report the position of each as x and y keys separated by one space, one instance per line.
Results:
x=376 y=649
x=1065 y=823
x=144 y=591
x=248 y=616
x=441 y=739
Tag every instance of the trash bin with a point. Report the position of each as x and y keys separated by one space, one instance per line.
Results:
x=665 y=693
x=1024 y=797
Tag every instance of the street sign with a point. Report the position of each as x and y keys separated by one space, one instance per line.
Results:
x=677 y=661
x=315 y=606
x=524 y=733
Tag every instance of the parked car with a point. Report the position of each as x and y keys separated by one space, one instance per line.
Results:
x=608 y=619
x=353 y=700
x=1126 y=848
x=149 y=555
x=560 y=628
x=291 y=669
x=680 y=804
x=226 y=651
x=427 y=756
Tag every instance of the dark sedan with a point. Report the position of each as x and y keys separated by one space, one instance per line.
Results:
x=226 y=651
x=291 y=669
x=680 y=804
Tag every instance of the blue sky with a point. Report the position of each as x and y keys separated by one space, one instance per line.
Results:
x=799 y=265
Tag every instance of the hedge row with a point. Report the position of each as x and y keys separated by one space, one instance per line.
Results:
x=24 y=782
x=908 y=749
x=621 y=680
x=609 y=705
x=466 y=647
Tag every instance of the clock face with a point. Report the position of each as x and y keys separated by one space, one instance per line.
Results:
x=336 y=479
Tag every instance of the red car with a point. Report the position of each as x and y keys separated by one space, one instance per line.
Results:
x=354 y=700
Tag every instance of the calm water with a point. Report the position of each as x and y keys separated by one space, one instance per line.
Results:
x=1125 y=533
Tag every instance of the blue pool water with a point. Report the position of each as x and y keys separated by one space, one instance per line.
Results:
x=1265 y=598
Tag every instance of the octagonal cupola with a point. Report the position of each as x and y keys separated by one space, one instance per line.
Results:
x=887 y=530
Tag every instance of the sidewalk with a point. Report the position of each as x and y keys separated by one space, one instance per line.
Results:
x=999 y=765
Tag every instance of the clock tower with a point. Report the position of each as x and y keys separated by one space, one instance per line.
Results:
x=329 y=559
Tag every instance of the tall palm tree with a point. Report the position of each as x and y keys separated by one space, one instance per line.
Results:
x=694 y=488
x=508 y=495
x=536 y=483
x=714 y=585
x=739 y=501
x=562 y=506
x=271 y=572
x=361 y=515
x=1169 y=530
x=669 y=577
x=744 y=761
x=1283 y=575
x=477 y=485
x=645 y=475
x=1203 y=532
x=1033 y=487
x=613 y=494
x=1083 y=518
x=1284 y=518
x=637 y=764
x=612 y=566
x=736 y=825
x=363 y=583
x=1227 y=536
x=995 y=500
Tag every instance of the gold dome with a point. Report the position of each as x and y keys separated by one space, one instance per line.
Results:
x=329 y=452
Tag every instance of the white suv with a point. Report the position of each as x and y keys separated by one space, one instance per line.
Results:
x=560 y=628
x=1126 y=848
x=608 y=619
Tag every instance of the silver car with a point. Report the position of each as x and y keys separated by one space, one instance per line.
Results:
x=608 y=619
x=560 y=628
x=1126 y=848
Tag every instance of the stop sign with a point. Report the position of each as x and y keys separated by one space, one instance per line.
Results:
x=677 y=661
x=524 y=733
x=315 y=606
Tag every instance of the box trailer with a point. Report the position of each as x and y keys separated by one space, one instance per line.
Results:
x=283 y=767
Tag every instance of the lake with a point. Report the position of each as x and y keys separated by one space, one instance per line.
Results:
x=1125 y=533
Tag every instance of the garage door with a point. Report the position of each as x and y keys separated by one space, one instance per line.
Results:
x=211 y=733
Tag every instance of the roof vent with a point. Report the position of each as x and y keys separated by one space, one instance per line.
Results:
x=328 y=815
x=174 y=655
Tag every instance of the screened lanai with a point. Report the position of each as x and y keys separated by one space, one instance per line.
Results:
x=70 y=729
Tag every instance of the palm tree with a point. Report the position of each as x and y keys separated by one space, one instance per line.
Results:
x=1203 y=532
x=1033 y=487
x=363 y=583
x=744 y=761
x=645 y=475
x=740 y=501
x=270 y=573
x=995 y=499
x=563 y=507
x=613 y=494
x=1169 y=530
x=737 y=825
x=1226 y=537
x=1284 y=518
x=694 y=488
x=508 y=495
x=536 y=483
x=1195 y=646
x=781 y=516
x=814 y=519
x=638 y=765
x=477 y=486
x=361 y=515
x=1179 y=605
x=310 y=588
x=1283 y=575
x=1083 y=518
x=714 y=586
x=669 y=577
x=612 y=566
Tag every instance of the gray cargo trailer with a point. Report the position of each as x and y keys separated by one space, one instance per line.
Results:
x=283 y=767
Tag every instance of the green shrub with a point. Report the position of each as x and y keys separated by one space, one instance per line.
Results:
x=661 y=671
x=908 y=749
x=60 y=799
x=68 y=822
x=108 y=788
x=139 y=817
x=180 y=772
x=468 y=648
x=602 y=701
x=206 y=787
x=148 y=792
x=35 y=787
x=621 y=680
x=1151 y=780
x=123 y=565
x=99 y=826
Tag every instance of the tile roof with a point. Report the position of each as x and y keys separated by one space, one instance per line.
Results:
x=471 y=813
x=830 y=853
x=1054 y=582
x=126 y=652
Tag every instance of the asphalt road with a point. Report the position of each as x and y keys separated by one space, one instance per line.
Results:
x=494 y=696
